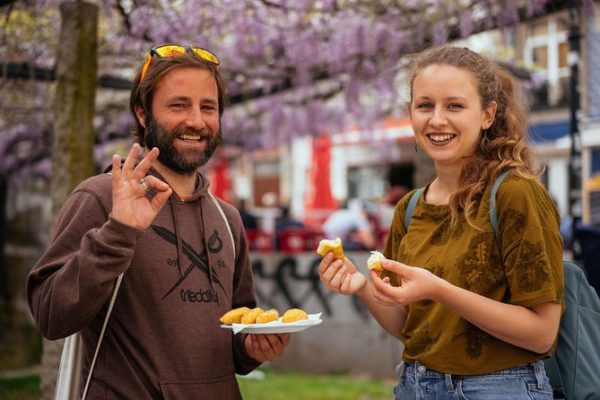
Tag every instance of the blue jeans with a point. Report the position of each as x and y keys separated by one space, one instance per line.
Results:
x=521 y=383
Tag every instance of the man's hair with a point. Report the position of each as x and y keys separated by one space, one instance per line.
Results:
x=142 y=93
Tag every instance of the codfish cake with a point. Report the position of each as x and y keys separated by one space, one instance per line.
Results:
x=374 y=261
x=250 y=316
x=234 y=316
x=331 y=245
x=267 y=316
x=293 y=315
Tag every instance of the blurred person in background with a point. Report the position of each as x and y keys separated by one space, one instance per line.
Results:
x=351 y=224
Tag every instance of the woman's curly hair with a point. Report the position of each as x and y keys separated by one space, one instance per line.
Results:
x=503 y=145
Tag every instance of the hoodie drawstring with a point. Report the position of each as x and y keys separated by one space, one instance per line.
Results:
x=211 y=271
x=177 y=237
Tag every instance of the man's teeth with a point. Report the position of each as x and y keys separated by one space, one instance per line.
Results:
x=188 y=137
x=440 y=138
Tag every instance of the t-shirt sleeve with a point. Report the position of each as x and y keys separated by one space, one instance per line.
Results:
x=529 y=236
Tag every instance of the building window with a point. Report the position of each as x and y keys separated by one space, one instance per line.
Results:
x=546 y=51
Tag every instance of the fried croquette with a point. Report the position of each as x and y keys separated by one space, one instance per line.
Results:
x=234 y=316
x=250 y=316
x=293 y=315
x=331 y=245
x=374 y=261
x=267 y=316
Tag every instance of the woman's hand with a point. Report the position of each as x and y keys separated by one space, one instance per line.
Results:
x=417 y=284
x=340 y=276
x=132 y=205
x=266 y=347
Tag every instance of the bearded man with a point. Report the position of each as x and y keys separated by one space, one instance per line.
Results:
x=182 y=253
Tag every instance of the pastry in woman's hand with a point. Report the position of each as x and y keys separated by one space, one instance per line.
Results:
x=331 y=245
x=374 y=261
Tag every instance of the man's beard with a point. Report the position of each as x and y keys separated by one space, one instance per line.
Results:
x=158 y=136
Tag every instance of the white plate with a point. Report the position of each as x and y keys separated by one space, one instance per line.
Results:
x=276 y=326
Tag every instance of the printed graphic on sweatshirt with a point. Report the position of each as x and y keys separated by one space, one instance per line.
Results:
x=198 y=260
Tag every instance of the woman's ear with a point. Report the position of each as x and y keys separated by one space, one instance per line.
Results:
x=489 y=114
x=141 y=116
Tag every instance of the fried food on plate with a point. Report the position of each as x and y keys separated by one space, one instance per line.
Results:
x=293 y=315
x=234 y=316
x=250 y=316
x=331 y=245
x=267 y=316
x=374 y=261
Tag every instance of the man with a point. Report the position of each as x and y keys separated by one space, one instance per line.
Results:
x=155 y=221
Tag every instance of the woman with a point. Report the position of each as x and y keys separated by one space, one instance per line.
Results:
x=476 y=310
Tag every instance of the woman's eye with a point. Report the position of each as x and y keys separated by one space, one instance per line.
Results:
x=424 y=105
x=455 y=106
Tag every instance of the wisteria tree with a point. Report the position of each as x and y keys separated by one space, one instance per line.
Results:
x=293 y=67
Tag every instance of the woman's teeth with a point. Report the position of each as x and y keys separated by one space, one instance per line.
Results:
x=440 y=138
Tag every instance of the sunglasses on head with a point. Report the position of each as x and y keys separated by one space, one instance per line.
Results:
x=173 y=50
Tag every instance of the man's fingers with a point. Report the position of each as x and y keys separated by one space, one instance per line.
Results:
x=144 y=165
x=116 y=168
x=156 y=184
x=131 y=159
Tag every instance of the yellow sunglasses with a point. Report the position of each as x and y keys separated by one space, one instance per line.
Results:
x=173 y=50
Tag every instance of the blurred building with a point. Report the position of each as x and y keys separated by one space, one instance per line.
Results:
x=362 y=162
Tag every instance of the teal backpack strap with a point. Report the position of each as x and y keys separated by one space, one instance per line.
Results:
x=493 y=214
x=410 y=209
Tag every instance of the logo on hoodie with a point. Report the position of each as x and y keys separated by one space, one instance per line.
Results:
x=198 y=260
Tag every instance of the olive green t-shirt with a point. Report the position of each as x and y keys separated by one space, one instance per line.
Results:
x=523 y=268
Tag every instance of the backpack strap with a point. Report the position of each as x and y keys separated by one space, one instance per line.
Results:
x=220 y=209
x=104 y=324
x=410 y=208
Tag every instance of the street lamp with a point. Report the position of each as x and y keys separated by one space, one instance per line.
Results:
x=575 y=164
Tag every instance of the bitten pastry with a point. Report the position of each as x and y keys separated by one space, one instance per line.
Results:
x=293 y=315
x=374 y=261
x=250 y=316
x=267 y=316
x=233 y=316
x=331 y=245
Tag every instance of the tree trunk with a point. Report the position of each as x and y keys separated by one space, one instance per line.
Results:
x=73 y=141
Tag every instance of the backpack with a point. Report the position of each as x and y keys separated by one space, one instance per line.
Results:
x=574 y=368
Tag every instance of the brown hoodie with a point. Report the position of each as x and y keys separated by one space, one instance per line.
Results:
x=163 y=339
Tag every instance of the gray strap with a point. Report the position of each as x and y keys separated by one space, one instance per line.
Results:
x=108 y=312
x=410 y=209
x=493 y=212
x=216 y=203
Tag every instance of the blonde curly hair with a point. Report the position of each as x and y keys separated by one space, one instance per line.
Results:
x=503 y=145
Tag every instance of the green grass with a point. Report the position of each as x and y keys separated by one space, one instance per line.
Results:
x=302 y=386
x=274 y=386
x=25 y=388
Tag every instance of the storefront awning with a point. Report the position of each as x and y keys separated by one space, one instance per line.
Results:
x=549 y=132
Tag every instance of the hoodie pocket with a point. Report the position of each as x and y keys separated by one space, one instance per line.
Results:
x=223 y=388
